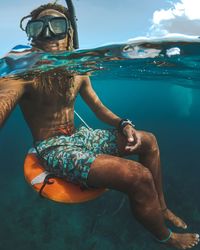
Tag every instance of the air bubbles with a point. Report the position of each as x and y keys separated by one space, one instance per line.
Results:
x=173 y=51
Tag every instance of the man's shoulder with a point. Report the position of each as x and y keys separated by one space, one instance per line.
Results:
x=81 y=78
x=21 y=48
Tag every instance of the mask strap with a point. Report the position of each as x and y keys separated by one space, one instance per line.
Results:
x=21 y=22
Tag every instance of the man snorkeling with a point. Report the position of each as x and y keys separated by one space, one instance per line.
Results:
x=90 y=158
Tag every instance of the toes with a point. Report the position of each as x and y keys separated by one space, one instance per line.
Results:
x=196 y=236
x=195 y=241
x=181 y=223
x=184 y=225
x=193 y=244
x=191 y=240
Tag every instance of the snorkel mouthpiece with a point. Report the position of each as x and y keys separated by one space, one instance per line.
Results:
x=73 y=19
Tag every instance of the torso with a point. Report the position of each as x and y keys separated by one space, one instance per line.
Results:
x=50 y=112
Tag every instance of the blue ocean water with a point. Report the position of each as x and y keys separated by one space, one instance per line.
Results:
x=153 y=82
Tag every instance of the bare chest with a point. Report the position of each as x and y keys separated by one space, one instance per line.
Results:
x=54 y=91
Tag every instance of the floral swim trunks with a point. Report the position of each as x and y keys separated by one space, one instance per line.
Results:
x=70 y=157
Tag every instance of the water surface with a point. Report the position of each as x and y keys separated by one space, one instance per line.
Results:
x=153 y=82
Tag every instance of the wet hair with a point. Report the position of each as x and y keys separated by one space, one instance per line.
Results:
x=35 y=13
x=57 y=82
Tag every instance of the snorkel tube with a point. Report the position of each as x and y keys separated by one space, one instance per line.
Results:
x=73 y=20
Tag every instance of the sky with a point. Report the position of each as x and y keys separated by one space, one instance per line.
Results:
x=108 y=21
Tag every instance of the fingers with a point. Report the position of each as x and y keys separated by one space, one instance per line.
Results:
x=133 y=138
x=130 y=137
x=132 y=147
x=129 y=133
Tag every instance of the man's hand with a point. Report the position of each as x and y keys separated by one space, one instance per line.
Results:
x=133 y=138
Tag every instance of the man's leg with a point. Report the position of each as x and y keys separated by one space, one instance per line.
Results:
x=149 y=156
x=137 y=182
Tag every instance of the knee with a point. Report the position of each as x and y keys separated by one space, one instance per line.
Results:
x=143 y=183
x=144 y=188
x=145 y=179
x=139 y=177
x=151 y=144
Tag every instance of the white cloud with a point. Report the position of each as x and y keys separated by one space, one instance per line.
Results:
x=162 y=15
x=183 y=17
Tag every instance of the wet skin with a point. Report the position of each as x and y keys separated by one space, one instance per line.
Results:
x=49 y=113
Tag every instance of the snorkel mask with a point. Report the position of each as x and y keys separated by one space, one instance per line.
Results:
x=53 y=28
x=47 y=28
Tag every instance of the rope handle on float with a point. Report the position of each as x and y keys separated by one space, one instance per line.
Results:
x=82 y=120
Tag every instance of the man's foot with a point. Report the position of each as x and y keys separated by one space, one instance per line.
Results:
x=183 y=241
x=176 y=221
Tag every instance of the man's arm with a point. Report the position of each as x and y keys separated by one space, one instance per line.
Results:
x=103 y=113
x=90 y=97
x=11 y=91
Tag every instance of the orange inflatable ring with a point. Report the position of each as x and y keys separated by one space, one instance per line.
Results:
x=60 y=190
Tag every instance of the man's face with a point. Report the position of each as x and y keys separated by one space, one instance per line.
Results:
x=49 y=30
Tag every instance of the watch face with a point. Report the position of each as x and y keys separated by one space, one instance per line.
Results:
x=125 y=122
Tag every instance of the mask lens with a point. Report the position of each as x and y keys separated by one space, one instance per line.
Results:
x=59 y=26
x=34 y=28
